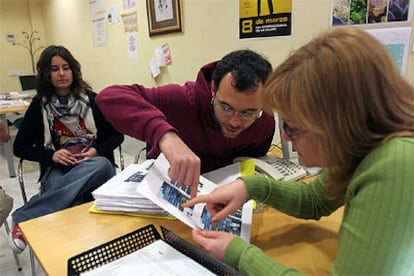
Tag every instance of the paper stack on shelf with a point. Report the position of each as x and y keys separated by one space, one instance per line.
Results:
x=14 y=98
x=119 y=194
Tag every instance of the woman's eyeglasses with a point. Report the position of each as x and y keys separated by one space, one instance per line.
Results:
x=292 y=134
x=229 y=111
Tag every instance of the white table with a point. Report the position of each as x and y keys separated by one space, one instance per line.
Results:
x=12 y=108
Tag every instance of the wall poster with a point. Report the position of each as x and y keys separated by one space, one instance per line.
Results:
x=265 y=18
x=396 y=41
x=351 y=12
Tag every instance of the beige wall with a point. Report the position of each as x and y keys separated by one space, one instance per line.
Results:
x=210 y=31
x=14 y=18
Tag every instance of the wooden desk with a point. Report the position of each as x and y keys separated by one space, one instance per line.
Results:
x=308 y=246
x=8 y=145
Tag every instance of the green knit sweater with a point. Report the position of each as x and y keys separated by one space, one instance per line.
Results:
x=376 y=236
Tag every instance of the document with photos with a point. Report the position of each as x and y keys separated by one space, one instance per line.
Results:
x=169 y=195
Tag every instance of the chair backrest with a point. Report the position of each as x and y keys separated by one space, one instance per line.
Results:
x=6 y=205
x=20 y=173
x=121 y=158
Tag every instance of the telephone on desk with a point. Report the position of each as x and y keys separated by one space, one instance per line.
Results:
x=275 y=167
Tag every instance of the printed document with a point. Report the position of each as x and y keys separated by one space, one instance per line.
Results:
x=169 y=195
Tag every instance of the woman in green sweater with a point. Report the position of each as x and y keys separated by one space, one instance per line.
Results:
x=346 y=108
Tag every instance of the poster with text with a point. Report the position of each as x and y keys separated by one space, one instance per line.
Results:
x=265 y=18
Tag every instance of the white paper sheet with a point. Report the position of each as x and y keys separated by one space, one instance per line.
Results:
x=155 y=70
x=157 y=258
x=169 y=195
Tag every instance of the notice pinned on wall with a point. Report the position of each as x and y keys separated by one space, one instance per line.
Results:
x=130 y=22
x=97 y=8
x=396 y=41
x=98 y=19
x=99 y=32
x=132 y=46
x=155 y=70
x=114 y=15
x=128 y=4
x=162 y=57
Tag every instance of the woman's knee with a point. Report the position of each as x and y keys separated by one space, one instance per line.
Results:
x=103 y=161
x=102 y=164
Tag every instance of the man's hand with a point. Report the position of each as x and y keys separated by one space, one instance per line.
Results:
x=184 y=163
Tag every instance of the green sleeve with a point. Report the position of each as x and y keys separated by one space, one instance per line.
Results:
x=377 y=233
x=250 y=260
x=298 y=199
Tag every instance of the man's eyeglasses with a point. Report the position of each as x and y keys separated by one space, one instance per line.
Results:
x=229 y=111
x=292 y=134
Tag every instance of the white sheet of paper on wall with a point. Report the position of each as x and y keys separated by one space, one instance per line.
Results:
x=162 y=55
x=159 y=57
x=132 y=45
x=155 y=70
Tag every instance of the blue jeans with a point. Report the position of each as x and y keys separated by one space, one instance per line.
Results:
x=63 y=190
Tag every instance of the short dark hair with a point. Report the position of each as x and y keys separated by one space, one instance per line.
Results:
x=44 y=87
x=247 y=69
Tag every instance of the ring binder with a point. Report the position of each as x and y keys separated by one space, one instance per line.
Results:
x=197 y=254
x=126 y=244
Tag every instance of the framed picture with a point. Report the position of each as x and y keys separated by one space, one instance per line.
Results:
x=164 y=16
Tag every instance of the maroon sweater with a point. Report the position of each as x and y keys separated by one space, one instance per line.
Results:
x=147 y=113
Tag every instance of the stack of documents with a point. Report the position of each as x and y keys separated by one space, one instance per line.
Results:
x=145 y=189
x=119 y=194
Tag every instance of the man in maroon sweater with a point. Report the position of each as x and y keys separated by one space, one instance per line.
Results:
x=199 y=126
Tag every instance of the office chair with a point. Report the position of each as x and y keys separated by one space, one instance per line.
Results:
x=20 y=174
x=121 y=158
x=16 y=258
x=6 y=208
x=24 y=196
x=138 y=156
